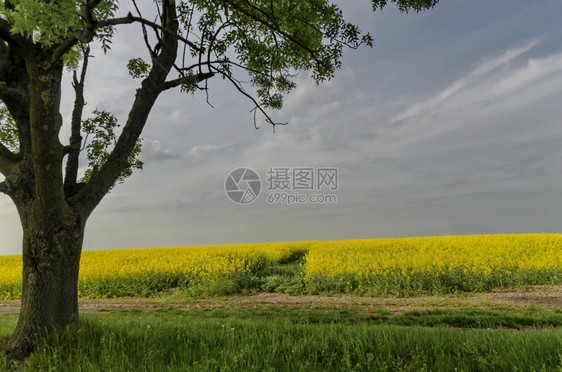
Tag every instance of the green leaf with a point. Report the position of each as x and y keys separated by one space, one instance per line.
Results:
x=138 y=68
x=100 y=130
x=8 y=130
x=188 y=83
x=50 y=22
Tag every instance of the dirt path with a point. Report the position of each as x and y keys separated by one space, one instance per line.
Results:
x=546 y=297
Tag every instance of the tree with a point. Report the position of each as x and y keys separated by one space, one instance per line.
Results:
x=190 y=42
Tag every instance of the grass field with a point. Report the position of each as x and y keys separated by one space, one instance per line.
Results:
x=276 y=339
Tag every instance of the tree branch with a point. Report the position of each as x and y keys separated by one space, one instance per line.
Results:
x=4 y=188
x=152 y=51
x=75 y=142
x=102 y=180
x=177 y=82
x=129 y=19
x=85 y=36
x=258 y=107
x=23 y=45
x=271 y=26
x=17 y=104
x=14 y=92
x=8 y=160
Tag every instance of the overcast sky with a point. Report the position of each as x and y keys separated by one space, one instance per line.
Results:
x=450 y=124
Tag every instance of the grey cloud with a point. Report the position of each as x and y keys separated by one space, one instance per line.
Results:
x=153 y=150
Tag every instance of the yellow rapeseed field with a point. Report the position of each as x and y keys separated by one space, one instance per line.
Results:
x=466 y=262
x=157 y=267
x=202 y=261
x=399 y=266
x=10 y=276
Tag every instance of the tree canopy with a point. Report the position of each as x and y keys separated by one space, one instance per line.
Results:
x=271 y=41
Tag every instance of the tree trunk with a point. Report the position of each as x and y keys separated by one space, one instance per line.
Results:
x=50 y=283
x=53 y=218
x=52 y=224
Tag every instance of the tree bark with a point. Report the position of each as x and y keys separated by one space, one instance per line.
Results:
x=50 y=281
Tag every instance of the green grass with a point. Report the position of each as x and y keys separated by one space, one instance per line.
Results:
x=7 y=325
x=276 y=339
x=515 y=319
x=429 y=282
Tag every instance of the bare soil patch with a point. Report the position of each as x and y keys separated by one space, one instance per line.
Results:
x=546 y=297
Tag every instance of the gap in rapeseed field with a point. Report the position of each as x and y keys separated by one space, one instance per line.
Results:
x=397 y=267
